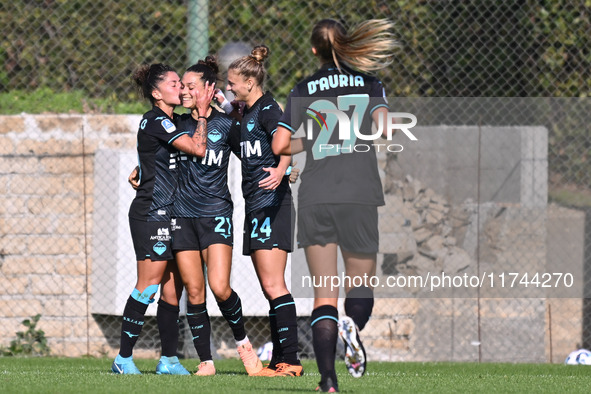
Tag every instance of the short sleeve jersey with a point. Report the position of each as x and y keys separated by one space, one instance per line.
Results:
x=337 y=170
x=257 y=127
x=203 y=181
x=157 y=163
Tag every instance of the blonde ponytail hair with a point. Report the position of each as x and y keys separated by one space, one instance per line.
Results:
x=252 y=66
x=368 y=47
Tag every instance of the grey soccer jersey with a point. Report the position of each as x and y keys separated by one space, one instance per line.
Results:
x=337 y=170
x=157 y=163
x=203 y=181
x=256 y=133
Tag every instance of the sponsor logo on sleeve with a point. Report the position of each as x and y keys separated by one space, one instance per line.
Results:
x=168 y=125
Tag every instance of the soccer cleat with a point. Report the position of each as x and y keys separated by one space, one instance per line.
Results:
x=171 y=366
x=328 y=386
x=355 y=359
x=124 y=366
x=251 y=361
x=267 y=371
x=285 y=369
x=206 y=368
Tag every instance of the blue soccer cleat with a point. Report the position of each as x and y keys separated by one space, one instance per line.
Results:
x=171 y=366
x=124 y=366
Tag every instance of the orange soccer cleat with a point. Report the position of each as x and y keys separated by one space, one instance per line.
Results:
x=206 y=368
x=251 y=361
x=285 y=369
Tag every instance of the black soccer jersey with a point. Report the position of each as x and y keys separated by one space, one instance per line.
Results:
x=340 y=167
x=256 y=133
x=203 y=181
x=157 y=163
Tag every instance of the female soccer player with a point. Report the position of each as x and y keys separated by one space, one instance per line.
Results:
x=149 y=214
x=269 y=206
x=340 y=187
x=202 y=224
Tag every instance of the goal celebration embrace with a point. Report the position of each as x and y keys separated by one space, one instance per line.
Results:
x=181 y=218
x=289 y=196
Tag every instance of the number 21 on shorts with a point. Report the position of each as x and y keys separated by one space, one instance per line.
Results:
x=219 y=228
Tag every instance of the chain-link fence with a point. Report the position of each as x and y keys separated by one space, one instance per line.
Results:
x=500 y=191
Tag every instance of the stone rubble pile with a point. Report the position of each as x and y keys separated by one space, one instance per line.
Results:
x=420 y=232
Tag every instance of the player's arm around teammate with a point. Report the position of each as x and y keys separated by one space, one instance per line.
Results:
x=269 y=207
x=149 y=217
x=203 y=230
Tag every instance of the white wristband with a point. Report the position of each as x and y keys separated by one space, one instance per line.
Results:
x=227 y=106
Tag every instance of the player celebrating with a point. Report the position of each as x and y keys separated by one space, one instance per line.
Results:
x=202 y=228
x=341 y=188
x=269 y=206
x=149 y=214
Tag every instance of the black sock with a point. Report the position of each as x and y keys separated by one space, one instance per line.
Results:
x=232 y=311
x=324 y=337
x=200 y=326
x=277 y=351
x=168 y=326
x=133 y=321
x=359 y=304
x=287 y=328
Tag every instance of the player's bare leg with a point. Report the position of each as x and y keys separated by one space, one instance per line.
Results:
x=218 y=258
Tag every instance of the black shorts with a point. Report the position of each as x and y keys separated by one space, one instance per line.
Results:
x=268 y=228
x=199 y=234
x=151 y=240
x=354 y=227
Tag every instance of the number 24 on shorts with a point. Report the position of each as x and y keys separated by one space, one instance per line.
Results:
x=265 y=228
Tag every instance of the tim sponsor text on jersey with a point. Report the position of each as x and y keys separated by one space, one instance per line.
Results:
x=247 y=148
x=211 y=158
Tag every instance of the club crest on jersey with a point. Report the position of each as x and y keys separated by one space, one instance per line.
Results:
x=214 y=135
x=168 y=125
x=159 y=248
x=250 y=125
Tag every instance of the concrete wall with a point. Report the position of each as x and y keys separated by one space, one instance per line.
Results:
x=469 y=200
x=495 y=164
x=48 y=197
x=65 y=249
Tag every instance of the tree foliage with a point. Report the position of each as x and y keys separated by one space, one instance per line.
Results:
x=467 y=48
x=470 y=48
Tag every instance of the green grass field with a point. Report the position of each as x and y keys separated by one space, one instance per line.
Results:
x=91 y=375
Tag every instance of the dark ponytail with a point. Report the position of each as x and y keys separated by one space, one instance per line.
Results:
x=208 y=68
x=149 y=76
